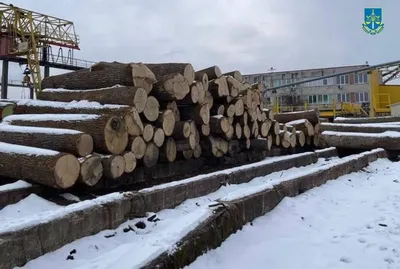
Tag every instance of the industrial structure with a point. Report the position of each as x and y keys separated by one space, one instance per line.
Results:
x=359 y=90
x=27 y=37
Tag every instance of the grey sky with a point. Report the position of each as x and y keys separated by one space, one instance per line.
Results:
x=248 y=35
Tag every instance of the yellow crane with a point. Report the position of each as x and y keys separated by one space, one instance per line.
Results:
x=24 y=32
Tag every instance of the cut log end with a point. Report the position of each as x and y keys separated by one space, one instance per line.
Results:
x=138 y=147
x=113 y=166
x=151 y=155
x=84 y=145
x=152 y=108
x=66 y=171
x=130 y=161
x=91 y=170
x=116 y=135
x=168 y=152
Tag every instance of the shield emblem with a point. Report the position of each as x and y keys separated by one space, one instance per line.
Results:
x=373 y=20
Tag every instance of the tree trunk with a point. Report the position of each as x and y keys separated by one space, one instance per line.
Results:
x=203 y=78
x=202 y=92
x=218 y=88
x=199 y=113
x=192 y=97
x=63 y=140
x=130 y=96
x=229 y=135
x=159 y=137
x=151 y=109
x=186 y=144
x=304 y=126
x=311 y=115
x=264 y=129
x=174 y=107
x=134 y=124
x=6 y=109
x=148 y=132
x=276 y=140
x=130 y=161
x=212 y=72
x=366 y=141
x=108 y=132
x=42 y=166
x=217 y=109
x=168 y=150
x=263 y=144
x=197 y=151
x=163 y=69
x=166 y=121
x=358 y=128
x=187 y=154
x=246 y=131
x=91 y=170
x=28 y=106
x=210 y=147
x=171 y=87
x=239 y=107
x=181 y=130
x=368 y=120
x=113 y=166
x=103 y=75
x=301 y=138
x=236 y=75
x=151 y=155
x=234 y=86
x=238 y=130
x=138 y=146
x=230 y=110
x=219 y=124
x=317 y=128
x=205 y=129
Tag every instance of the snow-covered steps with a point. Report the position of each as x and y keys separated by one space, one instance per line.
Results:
x=27 y=238
x=243 y=206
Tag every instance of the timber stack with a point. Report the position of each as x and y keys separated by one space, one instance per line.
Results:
x=362 y=133
x=105 y=121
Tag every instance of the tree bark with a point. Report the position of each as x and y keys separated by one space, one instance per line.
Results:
x=186 y=144
x=131 y=96
x=263 y=144
x=163 y=69
x=103 y=75
x=304 y=126
x=181 y=130
x=192 y=97
x=212 y=72
x=6 y=109
x=28 y=106
x=108 y=132
x=311 y=115
x=45 y=167
x=203 y=78
x=138 y=146
x=217 y=109
x=301 y=138
x=168 y=150
x=358 y=128
x=219 y=124
x=91 y=170
x=199 y=113
x=113 y=166
x=151 y=155
x=366 y=141
x=63 y=140
x=236 y=75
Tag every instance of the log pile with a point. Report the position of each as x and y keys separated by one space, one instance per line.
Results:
x=362 y=134
x=114 y=117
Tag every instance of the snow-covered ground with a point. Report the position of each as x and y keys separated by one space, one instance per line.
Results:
x=138 y=241
x=352 y=222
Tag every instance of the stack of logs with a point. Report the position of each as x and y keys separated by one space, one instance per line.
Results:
x=106 y=120
x=362 y=133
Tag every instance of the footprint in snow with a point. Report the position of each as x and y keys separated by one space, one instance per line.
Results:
x=383 y=248
x=388 y=260
x=345 y=259
x=361 y=240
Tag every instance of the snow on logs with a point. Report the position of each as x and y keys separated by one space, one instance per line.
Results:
x=42 y=166
x=108 y=132
x=143 y=114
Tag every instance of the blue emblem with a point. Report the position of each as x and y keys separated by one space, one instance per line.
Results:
x=372 y=21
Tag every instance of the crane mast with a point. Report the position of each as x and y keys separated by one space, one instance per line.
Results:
x=24 y=33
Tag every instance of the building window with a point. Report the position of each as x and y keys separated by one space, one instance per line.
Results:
x=326 y=99
x=325 y=81
x=361 y=78
x=310 y=99
x=277 y=82
x=342 y=80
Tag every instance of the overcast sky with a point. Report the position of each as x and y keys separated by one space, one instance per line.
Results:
x=248 y=35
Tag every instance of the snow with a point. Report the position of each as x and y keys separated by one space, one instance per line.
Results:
x=135 y=249
x=20 y=184
x=388 y=134
x=25 y=150
x=41 y=130
x=357 y=119
x=46 y=215
x=50 y=117
x=61 y=90
x=351 y=222
x=30 y=205
x=225 y=172
x=383 y=125
x=217 y=116
x=65 y=105
x=70 y=197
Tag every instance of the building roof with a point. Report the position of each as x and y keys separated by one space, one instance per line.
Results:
x=312 y=69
